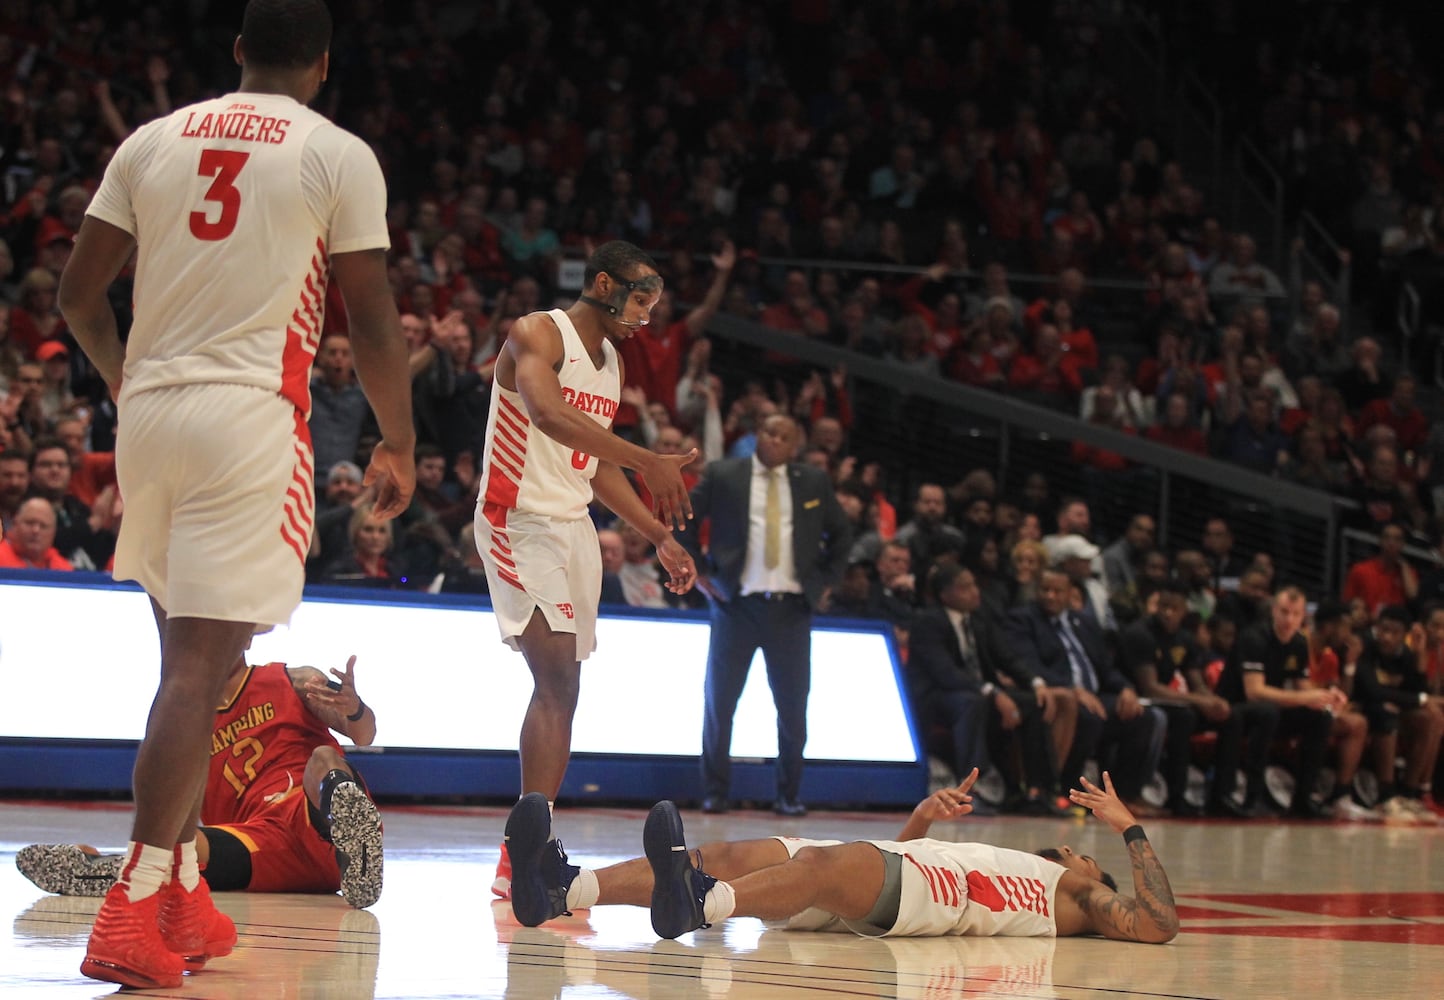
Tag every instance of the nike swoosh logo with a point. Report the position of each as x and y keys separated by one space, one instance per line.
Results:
x=574 y=360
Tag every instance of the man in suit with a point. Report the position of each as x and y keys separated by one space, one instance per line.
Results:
x=1068 y=651
x=956 y=665
x=778 y=542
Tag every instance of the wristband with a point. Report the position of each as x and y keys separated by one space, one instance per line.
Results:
x=1134 y=832
x=361 y=710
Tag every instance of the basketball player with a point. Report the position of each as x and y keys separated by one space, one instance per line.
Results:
x=284 y=810
x=910 y=888
x=243 y=208
x=549 y=450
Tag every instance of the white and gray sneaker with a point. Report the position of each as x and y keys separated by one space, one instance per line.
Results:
x=1404 y=811
x=1345 y=809
x=69 y=869
x=356 y=836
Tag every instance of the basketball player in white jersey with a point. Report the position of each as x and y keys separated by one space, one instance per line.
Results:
x=241 y=209
x=912 y=887
x=549 y=450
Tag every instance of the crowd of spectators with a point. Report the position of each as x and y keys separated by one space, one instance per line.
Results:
x=951 y=206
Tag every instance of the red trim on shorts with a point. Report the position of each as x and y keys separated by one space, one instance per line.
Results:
x=509 y=578
x=501 y=558
x=299 y=505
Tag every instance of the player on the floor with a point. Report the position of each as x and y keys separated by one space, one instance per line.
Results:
x=284 y=810
x=912 y=888
x=239 y=211
x=549 y=451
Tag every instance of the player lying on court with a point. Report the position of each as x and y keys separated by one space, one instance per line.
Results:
x=915 y=887
x=283 y=809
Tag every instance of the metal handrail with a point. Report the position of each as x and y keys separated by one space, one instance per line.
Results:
x=1309 y=225
x=1247 y=150
x=1191 y=87
x=1406 y=316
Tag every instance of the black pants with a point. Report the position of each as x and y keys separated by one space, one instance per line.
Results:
x=1312 y=726
x=979 y=738
x=1129 y=750
x=782 y=629
x=1249 y=724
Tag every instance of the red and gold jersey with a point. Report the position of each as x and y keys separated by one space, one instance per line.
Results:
x=260 y=744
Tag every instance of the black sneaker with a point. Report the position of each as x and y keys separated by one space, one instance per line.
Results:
x=678 y=887
x=540 y=875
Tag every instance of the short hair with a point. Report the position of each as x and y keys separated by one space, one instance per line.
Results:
x=616 y=257
x=1397 y=614
x=426 y=449
x=285 y=34
x=1330 y=610
x=1053 y=854
x=1291 y=592
x=943 y=576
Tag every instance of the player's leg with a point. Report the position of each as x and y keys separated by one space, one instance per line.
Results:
x=343 y=813
x=630 y=882
x=845 y=880
x=546 y=729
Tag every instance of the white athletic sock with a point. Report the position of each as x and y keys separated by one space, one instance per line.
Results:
x=145 y=870
x=583 y=891
x=720 y=903
x=185 y=867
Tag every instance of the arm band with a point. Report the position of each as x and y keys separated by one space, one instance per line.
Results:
x=361 y=710
x=1134 y=832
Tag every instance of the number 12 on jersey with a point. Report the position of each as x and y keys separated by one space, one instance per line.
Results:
x=224 y=165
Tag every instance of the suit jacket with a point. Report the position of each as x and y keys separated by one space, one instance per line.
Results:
x=935 y=656
x=821 y=534
x=1032 y=636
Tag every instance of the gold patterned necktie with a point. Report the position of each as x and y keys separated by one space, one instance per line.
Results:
x=772 y=540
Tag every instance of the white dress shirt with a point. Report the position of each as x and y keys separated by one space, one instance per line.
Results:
x=756 y=577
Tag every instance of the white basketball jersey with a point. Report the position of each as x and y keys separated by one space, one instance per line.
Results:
x=237 y=205
x=525 y=470
x=994 y=891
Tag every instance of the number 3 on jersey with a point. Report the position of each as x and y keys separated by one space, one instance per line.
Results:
x=224 y=165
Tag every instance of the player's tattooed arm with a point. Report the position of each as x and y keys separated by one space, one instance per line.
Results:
x=1149 y=916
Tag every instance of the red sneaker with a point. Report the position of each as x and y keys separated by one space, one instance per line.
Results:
x=501 y=885
x=192 y=927
x=126 y=947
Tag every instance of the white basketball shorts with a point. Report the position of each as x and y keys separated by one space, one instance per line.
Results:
x=217 y=483
x=534 y=561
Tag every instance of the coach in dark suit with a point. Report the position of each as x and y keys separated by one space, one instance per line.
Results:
x=778 y=541
x=1068 y=651
x=957 y=662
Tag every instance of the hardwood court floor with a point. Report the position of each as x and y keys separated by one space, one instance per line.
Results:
x=1269 y=910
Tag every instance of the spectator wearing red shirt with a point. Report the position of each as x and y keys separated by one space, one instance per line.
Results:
x=1048 y=369
x=36 y=318
x=1399 y=412
x=1176 y=429
x=975 y=364
x=30 y=543
x=1387 y=578
x=654 y=355
x=1108 y=413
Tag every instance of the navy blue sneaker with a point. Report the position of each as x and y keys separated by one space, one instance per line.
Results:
x=678 y=887
x=540 y=875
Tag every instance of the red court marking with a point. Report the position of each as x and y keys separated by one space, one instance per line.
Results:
x=1391 y=933
x=1341 y=904
x=1187 y=912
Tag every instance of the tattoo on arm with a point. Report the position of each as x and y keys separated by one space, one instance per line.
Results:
x=1149 y=916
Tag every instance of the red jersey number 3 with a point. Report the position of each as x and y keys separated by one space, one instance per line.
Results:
x=224 y=165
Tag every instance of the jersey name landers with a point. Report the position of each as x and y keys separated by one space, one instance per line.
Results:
x=239 y=121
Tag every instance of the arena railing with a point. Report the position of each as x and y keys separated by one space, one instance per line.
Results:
x=923 y=428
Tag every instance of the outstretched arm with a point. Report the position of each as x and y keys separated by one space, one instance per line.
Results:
x=1150 y=916
x=945 y=803
x=336 y=703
